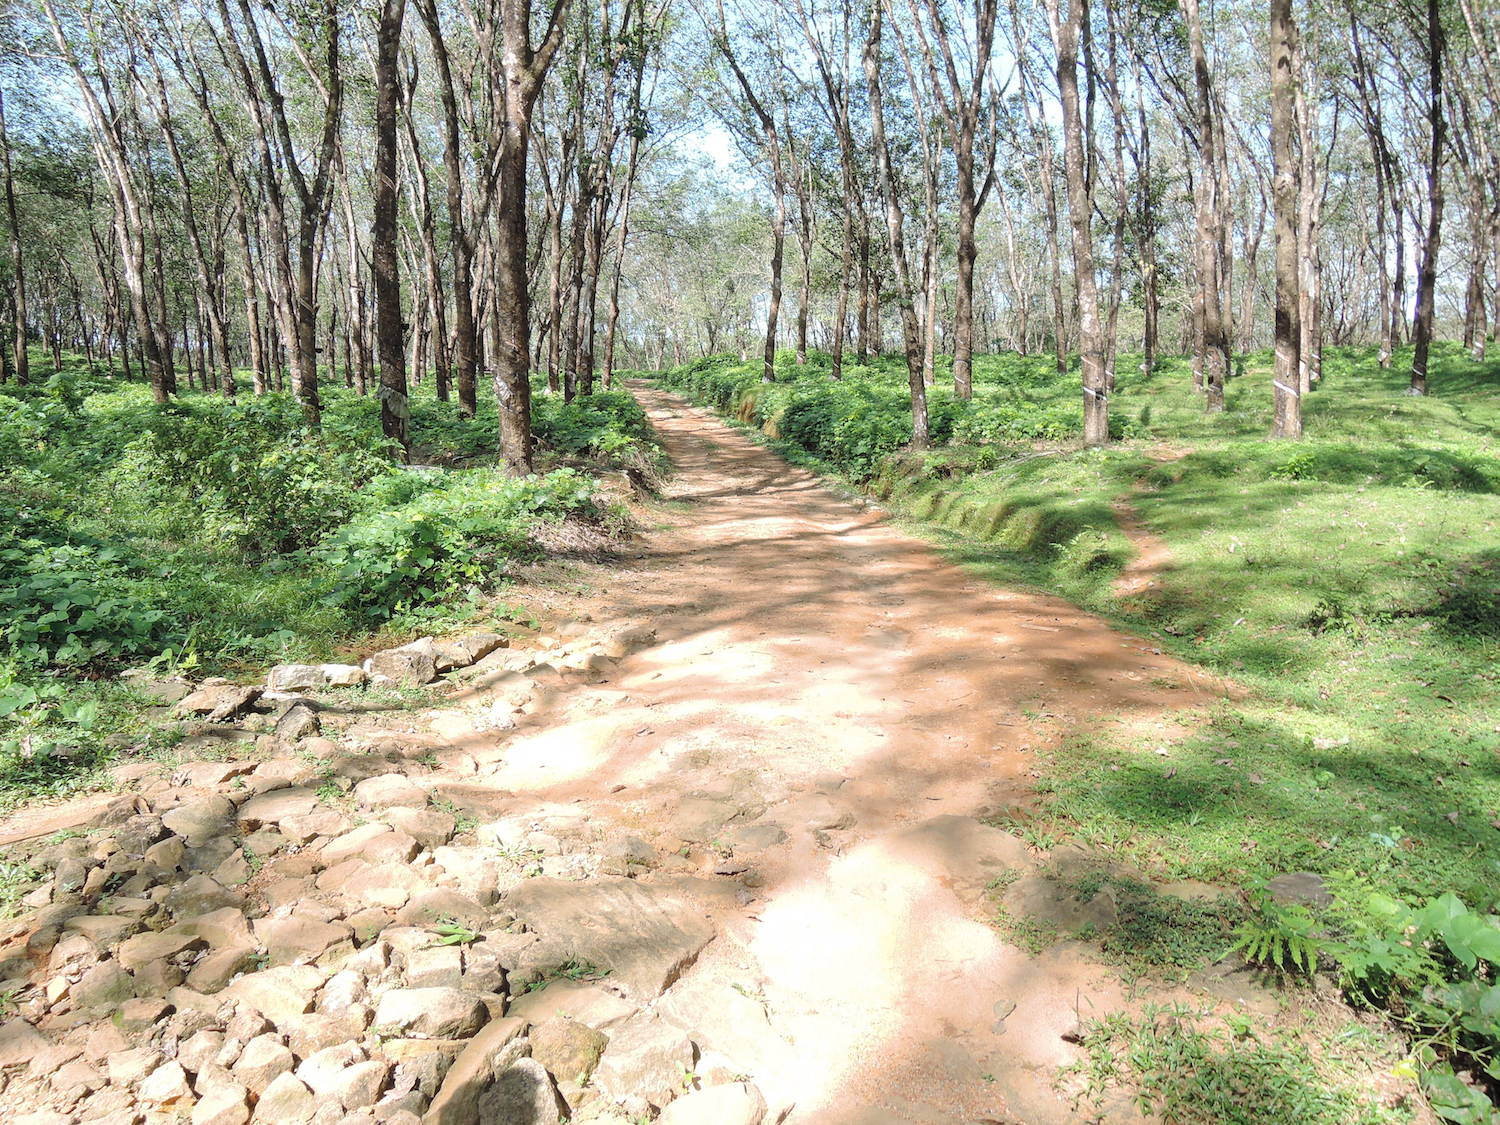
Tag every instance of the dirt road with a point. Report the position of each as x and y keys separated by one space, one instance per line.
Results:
x=820 y=674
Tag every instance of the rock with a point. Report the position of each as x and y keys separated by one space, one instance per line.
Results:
x=428 y=827
x=645 y=1059
x=440 y=966
x=387 y=885
x=201 y=894
x=218 y=968
x=298 y=938
x=1300 y=888
x=361 y=1085
x=200 y=1049
x=342 y=675
x=19 y=1042
x=696 y=819
x=319 y=1070
x=139 y=833
x=286 y=1101
x=589 y=1004
x=389 y=790
x=431 y=1013
x=522 y=1094
x=429 y=906
x=295 y=677
x=263 y=1060
x=737 y=1104
x=270 y=808
x=376 y=843
x=278 y=993
x=128 y=1067
x=140 y=1013
x=568 y=1049
x=106 y=985
x=757 y=837
x=309 y=826
x=414 y=663
x=136 y=953
x=167 y=1085
x=201 y=820
x=298 y=721
x=460 y=652
x=488 y=1054
x=644 y=936
x=219 y=701
x=223 y=1103
x=221 y=929
x=165 y=690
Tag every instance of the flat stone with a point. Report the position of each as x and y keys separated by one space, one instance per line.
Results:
x=1300 y=888
x=431 y=1013
x=223 y=1103
x=645 y=1059
x=286 y=1101
x=297 y=938
x=105 y=985
x=736 y=1104
x=696 y=819
x=270 y=808
x=136 y=953
x=375 y=843
x=278 y=993
x=19 y=1042
x=644 y=936
x=390 y=790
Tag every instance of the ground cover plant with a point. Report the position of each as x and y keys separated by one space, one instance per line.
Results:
x=216 y=537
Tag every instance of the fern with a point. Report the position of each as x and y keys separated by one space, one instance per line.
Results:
x=1279 y=937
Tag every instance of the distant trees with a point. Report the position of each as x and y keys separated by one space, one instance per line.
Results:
x=377 y=196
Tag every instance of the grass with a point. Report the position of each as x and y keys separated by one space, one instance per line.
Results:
x=1184 y=1070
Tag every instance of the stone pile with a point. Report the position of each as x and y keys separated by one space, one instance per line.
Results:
x=318 y=936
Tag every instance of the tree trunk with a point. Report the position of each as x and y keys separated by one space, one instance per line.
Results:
x=1427 y=274
x=395 y=410
x=1284 y=72
x=18 y=266
x=1065 y=27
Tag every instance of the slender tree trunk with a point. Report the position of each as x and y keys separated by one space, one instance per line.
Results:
x=1427 y=274
x=18 y=265
x=895 y=221
x=1065 y=27
x=395 y=410
x=1284 y=72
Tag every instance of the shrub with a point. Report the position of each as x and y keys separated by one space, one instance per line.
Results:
x=256 y=477
x=460 y=534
